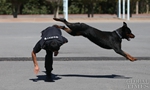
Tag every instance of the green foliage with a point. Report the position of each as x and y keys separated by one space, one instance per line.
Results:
x=75 y=6
x=5 y=7
x=35 y=7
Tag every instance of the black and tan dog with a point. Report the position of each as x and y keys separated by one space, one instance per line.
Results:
x=107 y=40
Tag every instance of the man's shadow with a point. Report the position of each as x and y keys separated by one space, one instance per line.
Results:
x=56 y=77
x=43 y=77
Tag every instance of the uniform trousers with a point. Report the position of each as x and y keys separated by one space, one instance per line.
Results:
x=49 y=62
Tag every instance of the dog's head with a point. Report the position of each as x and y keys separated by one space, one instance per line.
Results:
x=126 y=32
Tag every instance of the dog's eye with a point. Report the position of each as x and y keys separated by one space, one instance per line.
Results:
x=128 y=31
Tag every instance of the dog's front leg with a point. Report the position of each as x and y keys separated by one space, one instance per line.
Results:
x=126 y=55
x=130 y=57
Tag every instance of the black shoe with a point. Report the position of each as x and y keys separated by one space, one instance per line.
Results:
x=49 y=79
x=48 y=73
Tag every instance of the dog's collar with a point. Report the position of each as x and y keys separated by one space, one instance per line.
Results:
x=118 y=34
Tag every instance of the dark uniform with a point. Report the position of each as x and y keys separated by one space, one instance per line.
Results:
x=48 y=35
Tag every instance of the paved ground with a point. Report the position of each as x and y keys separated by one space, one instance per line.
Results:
x=18 y=39
x=89 y=72
x=77 y=75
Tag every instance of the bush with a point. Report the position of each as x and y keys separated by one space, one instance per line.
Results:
x=5 y=8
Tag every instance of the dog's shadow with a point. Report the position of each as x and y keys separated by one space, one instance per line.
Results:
x=113 y=76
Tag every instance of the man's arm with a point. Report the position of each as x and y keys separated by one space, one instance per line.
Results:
x=65 y=40
x=36 y=49
x=36 y=67
x=56 y=53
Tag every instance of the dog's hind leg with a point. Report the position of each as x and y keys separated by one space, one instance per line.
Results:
x=61 y=20
x=63 y=28
x=70 y=25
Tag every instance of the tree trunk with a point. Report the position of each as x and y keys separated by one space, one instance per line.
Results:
x=137 y=7
x=56 y=12
x=15 y=11
x=147 y=8
x=88 y=12
x=92 y=11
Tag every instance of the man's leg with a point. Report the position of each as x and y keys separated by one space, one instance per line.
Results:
x=49 y=62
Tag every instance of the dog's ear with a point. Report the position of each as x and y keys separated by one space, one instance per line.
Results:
x=125 y=24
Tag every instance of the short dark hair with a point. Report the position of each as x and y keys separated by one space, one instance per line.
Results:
x=54 y=45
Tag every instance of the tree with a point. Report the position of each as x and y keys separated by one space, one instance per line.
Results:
x=140 y=6
x=4 y=7
x=55 y=5
x=36 y=7
x=147 y=6
x=88 y=7
x=89 y=4
x=16 y=6
x=137 y=7
x=101 y=6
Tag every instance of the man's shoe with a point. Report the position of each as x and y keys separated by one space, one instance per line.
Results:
x=49 y=79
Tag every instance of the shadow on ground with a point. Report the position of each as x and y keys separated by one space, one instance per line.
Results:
x=57 y=77
x=113 y=76
x=43 y=77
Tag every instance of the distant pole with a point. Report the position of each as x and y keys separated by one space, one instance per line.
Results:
x=119 y=9
x=123 y=9
x=65 y=9
x=128 y=12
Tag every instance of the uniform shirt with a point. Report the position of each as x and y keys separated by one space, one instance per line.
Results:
x=48 y=34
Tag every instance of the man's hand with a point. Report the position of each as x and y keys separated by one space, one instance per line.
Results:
x=36 y=69
x=56 y=53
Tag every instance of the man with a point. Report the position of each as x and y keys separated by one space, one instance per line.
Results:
x=51 y=41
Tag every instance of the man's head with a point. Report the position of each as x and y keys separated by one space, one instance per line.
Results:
x=53 y=45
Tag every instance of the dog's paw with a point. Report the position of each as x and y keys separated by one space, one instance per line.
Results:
x=56 y=19
x=56 y=26
x=60 y=19
x=132 y=59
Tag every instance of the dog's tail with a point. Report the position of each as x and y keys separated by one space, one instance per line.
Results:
x=60 y=19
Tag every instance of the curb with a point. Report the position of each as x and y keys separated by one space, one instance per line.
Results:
x=72 y=58
x=47 y=20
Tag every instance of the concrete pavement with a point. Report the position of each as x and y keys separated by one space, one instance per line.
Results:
x=18 y=39
x=77 y=75
x=88 y=72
